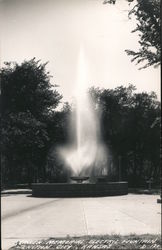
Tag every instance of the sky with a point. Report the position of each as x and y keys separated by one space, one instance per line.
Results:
x=55 y=30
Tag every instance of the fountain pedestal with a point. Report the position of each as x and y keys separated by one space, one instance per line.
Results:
x=79 y=179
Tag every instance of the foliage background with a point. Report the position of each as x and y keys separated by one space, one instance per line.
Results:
x=32 y=128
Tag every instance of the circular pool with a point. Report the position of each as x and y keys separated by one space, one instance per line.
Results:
x=79 y=189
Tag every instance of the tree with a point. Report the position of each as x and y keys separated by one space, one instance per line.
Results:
x=148 y=25
x=144 y=144
x=127 y=119
x=27 y=87
x=57 y=125
x=27 y=100
x=147 y=13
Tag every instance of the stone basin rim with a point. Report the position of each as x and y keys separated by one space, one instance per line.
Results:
x=66 y=183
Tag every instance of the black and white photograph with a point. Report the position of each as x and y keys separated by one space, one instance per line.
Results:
x=80 y=124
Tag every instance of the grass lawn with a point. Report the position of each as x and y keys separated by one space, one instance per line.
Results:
x=146 y=241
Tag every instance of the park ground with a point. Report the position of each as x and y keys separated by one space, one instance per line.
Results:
x=29 y=219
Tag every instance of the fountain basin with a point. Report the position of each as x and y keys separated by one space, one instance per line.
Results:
x=79 y=189
x=102 y=178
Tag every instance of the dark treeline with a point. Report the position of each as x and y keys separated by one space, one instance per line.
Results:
x=131 y=128
x=31 y=126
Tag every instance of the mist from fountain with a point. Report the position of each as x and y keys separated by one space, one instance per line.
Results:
x=86 y=153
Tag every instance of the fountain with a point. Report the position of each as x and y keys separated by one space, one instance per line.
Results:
x=86 y=155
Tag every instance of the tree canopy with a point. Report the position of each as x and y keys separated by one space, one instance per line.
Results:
x=126 y=121
x=27 y=87
x=28 y=102
x=147 y=14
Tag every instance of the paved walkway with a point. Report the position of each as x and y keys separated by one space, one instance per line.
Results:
x=25 y=218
